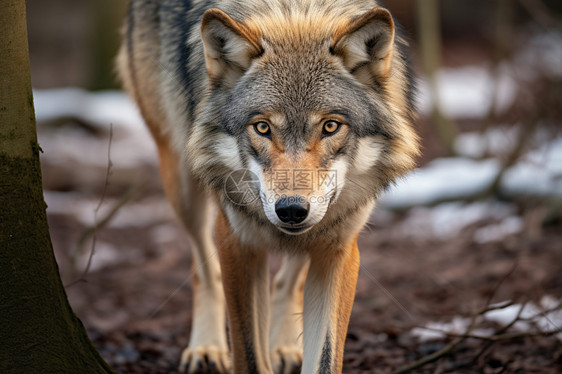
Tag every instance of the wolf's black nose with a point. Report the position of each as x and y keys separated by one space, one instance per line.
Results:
x=292 y=209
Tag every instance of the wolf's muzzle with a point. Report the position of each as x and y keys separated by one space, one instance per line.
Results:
x=292 y=209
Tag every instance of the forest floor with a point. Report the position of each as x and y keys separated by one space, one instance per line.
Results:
x=135 y=300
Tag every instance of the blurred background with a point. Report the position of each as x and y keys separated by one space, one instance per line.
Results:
x=462 y=259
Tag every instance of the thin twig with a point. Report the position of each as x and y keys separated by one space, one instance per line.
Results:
x=543 y=313
x=107 y=171
x=490 y=342
x=500 y=337
x=430 y=358
x=74 y=251
x=468 y=333
x=514 y=321
x=133 y=193
x=91 y=231
x=501 y=282
x=437 y=355
x=525 y=133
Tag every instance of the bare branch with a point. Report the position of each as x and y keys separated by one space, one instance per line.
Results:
x=91 y=231
x=459 y=338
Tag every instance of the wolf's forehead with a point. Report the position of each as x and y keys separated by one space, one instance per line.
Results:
x=297 y=67
x=297 y=75
x=298 y=85
x=286 y=85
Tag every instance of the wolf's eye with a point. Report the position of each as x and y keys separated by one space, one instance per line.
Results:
x=263 y=129
x=330 y=128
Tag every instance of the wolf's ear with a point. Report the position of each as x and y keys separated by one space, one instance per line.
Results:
x=229 y=46
x=366 y=45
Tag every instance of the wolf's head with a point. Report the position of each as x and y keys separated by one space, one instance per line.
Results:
x=314 y=106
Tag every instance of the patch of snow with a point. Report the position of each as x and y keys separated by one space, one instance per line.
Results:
x=501 y=140
x=532 y=314
x=444 y=178
x=143 y=214
x=496 y=232
x=163 y=234
x=147 y=213
x=506 y=315
x=553 y=319
x=495 y=141
x=98 y=108
x=72 y=204
x=546 y=317
x=439 y=330
x=542 y=55
x=104 y=255
x=131 y=144
x=447 y=220
x=466 y=92
x=537 y=174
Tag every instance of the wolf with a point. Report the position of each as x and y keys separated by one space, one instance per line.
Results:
x=278 y=123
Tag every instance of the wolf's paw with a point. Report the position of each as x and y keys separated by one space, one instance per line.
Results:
x=286 y=360
x=204 y=360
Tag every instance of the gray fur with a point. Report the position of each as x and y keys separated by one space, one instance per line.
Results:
x=299 y=81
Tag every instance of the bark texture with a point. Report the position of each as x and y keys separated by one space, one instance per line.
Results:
x=39 y=333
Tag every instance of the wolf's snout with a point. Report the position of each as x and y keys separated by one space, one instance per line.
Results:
x=292 y=209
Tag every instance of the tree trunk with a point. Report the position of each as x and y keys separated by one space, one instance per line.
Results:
x=39 y=333
x=430 y=45
x=106 y=18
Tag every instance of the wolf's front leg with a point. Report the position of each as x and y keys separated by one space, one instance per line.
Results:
x=285 y=339
x=246 y=286
x=207 y=351
x=328 y=298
